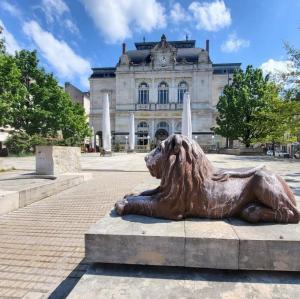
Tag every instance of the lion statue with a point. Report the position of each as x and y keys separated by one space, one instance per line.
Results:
x=191 y=187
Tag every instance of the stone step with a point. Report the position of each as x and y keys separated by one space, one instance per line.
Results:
x=199 y=243
x=22 y=190
x=146 y=282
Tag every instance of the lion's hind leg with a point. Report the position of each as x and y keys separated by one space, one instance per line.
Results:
x=276 y=203
x=258 y=213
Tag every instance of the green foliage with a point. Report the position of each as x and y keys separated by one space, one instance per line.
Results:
x=12 y=91
x=21 y=143
x=31 y=100
x=241 y=103
x=291 y=79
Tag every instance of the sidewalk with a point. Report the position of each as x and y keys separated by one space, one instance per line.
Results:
x=43 y=244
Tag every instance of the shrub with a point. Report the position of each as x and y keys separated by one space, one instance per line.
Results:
x=21 y=143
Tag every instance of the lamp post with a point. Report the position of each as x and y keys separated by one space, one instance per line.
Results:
x=213 y=140
x=196 y=138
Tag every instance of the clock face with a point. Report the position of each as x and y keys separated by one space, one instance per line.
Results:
x=163 y=60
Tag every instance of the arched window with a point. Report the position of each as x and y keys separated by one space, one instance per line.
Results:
x=142 y=133
x=143 y=93
x=182 y=89
x=142 y=126
x=163 y=93
x=178 y=127
x=163 y=125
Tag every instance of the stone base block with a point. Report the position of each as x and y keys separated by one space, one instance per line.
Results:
x=199 y=243
x=55 y=160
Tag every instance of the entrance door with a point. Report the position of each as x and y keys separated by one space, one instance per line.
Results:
x=161 y=134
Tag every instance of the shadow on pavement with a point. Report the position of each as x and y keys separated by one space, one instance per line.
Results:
x=67 y=285
x=113 y=170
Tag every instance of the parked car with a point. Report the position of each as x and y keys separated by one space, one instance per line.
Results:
x=284 y=155
x=278 y=154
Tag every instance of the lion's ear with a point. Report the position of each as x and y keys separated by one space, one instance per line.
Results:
x=177 y=143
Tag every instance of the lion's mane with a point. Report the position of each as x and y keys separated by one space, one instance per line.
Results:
x=184 y=171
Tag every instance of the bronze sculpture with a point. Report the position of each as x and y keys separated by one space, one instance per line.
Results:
x=192 y=187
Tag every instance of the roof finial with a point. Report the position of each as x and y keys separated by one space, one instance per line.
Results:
x=186 y=37
x=144 y=39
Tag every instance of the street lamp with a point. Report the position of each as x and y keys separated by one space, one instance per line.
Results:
x=213 y=140
x=196 y=138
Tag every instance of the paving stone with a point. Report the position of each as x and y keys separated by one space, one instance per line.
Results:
x=47 y=228
x=125 y=281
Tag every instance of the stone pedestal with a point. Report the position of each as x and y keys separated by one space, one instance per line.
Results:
x=197 y=243
x=55 y=160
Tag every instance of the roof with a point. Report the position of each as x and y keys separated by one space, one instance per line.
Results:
x=176 y=44
x=103 y=72
x=188 y=54
x=225 y=68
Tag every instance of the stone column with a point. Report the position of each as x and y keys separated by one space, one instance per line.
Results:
x=153 y=93
x=153 y=128
x=173 y=91
x=172 y=126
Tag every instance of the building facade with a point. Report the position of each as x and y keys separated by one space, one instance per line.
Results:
x=150 y=81
x=80 y=97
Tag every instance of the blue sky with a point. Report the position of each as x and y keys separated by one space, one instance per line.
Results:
x=72 y=36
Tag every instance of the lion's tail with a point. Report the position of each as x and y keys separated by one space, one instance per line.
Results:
x=224 y=176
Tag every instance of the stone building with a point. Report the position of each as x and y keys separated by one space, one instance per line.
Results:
x=80 y=97
x=151 y=81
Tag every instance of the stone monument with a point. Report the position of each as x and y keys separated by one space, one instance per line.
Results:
x=106 y=133
x=131 y=133
x=186 y=122
x=191 y=187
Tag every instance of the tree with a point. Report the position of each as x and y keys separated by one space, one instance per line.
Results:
x=291 y=78
x=12 y=91
x=31 y=100
x=279 y=121
x=239 y=104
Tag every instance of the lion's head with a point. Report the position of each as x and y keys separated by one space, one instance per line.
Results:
x=179 y=162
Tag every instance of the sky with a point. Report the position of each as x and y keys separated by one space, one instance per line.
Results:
x=73 y=36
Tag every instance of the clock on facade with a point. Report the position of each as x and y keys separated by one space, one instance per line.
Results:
x=163 y=60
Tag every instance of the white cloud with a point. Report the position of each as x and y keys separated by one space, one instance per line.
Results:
x=57 y=10
x=54 y=9
x=12 y=9
x=10 y=42
x=58 y=54
x=178 y=14
x=277 y=66
x=233 y=44
x=116 y=19
x=71 y=26
x=210 y=16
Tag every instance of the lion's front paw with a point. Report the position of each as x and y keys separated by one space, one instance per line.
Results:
x=120 y=206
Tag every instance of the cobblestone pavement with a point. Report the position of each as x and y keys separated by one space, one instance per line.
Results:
x=42 y=245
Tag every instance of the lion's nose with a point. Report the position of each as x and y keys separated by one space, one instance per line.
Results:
x=146 y=158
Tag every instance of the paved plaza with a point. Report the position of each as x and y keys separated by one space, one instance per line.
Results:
x=42 y=245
